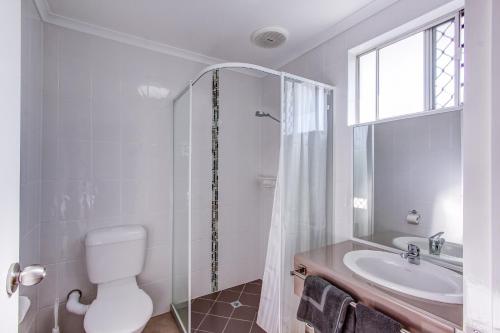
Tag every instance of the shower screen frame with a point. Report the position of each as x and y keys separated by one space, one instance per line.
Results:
x=244 y=68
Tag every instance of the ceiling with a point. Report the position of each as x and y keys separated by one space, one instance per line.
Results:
x=215 y=30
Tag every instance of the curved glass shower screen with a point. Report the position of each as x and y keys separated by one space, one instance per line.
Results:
x=226 y=151
x=181 y=209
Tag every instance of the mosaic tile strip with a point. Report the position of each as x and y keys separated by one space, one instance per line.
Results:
x=215 y=183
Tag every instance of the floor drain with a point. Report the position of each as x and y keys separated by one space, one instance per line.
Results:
x=236 y=304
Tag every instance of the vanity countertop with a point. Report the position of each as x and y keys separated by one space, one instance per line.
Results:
x=417 y=315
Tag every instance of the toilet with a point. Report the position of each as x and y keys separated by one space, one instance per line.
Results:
x=115 y=256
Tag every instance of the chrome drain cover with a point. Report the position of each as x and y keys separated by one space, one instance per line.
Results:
x=236 y=304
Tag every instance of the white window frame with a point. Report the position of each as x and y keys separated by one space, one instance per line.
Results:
x=428 y=66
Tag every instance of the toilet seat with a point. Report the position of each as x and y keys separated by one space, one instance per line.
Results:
x=120 y=307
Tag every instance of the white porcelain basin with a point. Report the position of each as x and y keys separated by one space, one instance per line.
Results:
x=450 y=253
x=389 y=270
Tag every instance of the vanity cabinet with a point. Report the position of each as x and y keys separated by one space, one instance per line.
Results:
x=417 y=315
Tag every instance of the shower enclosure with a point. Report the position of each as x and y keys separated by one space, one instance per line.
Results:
x=226 y=148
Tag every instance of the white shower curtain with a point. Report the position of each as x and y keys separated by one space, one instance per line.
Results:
x=299 y=220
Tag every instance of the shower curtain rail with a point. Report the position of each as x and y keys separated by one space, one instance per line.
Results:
x=242 y=65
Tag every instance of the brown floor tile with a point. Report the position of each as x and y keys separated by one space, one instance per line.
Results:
x=164 y=323
x=259 y=281
x=252 y=288
x=196 y=319
x=201 y=305
x=213 y=324
x=212 y=296
x=250 y=299
x=221 y=309
x=238 y=326
x=237 y=289
x=256 y=329
x=245 y=313
x=228 y=296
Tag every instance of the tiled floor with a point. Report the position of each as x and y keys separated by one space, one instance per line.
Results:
x=162 y=324
x=214 y=313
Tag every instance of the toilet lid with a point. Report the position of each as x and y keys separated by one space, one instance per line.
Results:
x=119 y=312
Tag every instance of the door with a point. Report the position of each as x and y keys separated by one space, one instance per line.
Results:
x=10 y=124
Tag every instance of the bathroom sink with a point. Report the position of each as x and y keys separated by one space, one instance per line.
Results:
x=450 y=253
x=389 y=270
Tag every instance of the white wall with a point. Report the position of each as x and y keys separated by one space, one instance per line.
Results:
x=495 y=230
x=107 y=159
x=418 y=165
x=328 y=63
x=31 y=147
x=269 y=157
x=481 y=167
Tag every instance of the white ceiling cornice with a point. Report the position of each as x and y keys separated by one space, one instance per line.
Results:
x=369 y=10
x=50 y=17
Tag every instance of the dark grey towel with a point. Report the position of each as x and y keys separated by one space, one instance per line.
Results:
x=371 y=321
x=323 y=306
x=350 y=321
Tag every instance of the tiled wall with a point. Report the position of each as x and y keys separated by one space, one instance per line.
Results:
x=418 y=165
x=241 y=155
x=328 y=63
x=269 y=157
x=106 y=160
x=242 y=227
x=107 y=140
x=31 y=135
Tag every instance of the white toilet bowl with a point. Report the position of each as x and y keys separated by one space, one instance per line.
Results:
x=115 y=256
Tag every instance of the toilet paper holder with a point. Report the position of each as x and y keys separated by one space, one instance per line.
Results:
x=413 y=217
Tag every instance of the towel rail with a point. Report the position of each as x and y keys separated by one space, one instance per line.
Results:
x=301 y=273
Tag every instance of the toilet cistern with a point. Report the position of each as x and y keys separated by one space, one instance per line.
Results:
x=114 y=258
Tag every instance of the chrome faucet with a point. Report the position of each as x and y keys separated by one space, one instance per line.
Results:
x=412 y=255
x=436 y=243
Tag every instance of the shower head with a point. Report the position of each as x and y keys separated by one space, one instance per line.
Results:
x=261 y=114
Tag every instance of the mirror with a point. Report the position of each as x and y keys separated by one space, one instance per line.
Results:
x=407 y=184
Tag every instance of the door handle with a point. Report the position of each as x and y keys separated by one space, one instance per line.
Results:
x=29 y=276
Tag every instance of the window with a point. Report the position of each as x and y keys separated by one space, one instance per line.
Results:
x=401 y=77
x=368 y=87
x=420 y=72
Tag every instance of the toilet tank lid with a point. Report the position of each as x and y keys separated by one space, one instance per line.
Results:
x=115 y=234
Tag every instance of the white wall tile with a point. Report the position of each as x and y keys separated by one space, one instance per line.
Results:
x=134 y=196
x=106 y=157
x=47 y=290
x=134 y=161
x=74 y=118
x=106 y=199
x=106 y=160
x=31 y=150
x=157 y=266
x=73 y=275
x=74 y=160
x=160 y=294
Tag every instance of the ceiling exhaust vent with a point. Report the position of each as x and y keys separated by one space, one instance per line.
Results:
x=269 y=37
